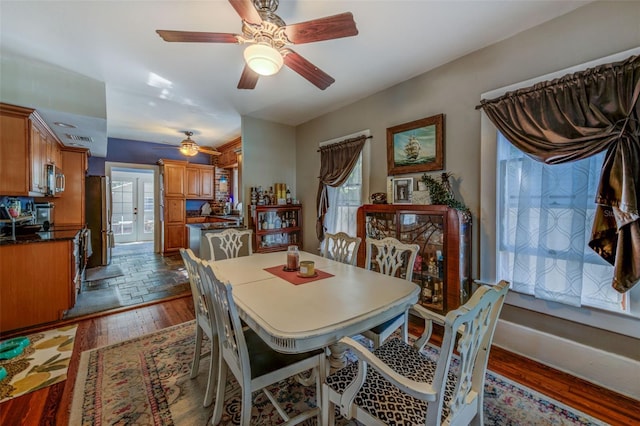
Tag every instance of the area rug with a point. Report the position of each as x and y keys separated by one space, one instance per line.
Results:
x=145 y=381
x=43 y=362
x=103 y=272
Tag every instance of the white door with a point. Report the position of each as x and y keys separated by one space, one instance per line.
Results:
x=132 y=206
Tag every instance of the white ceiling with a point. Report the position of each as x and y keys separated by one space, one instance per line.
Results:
x=115 y=42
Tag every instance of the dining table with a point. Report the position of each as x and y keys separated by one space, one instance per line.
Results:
x=295 y=314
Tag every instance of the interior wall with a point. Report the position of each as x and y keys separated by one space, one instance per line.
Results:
x=596 y=30
x=35 y=84
x=268 y=155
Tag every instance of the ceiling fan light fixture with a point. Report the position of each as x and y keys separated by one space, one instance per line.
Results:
x=263 y=59
x=188 y=147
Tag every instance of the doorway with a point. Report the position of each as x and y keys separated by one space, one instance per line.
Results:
x=132 y=212
x=133 y=205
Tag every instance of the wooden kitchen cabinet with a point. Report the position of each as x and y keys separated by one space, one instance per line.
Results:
x=276 y=227
x=199 y=179
x=228 y=157
x=38 y=142
x=443 y=266
x=37 y=283
x=70 y=206
x=173 y=177
x=174 y=229
x=26 y=146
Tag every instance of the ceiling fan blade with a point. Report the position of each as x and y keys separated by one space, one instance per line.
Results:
x=306 y=69
x=197 y=37
x=248 y=79
x=246 y=10
x=207 y=150
x=336 y=26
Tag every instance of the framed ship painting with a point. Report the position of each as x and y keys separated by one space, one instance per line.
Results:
x=416 y=147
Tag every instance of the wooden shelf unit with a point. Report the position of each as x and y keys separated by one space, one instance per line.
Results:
x=268 y=236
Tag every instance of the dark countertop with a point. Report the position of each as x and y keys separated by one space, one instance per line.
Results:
x=54 y=234
x=214 y=226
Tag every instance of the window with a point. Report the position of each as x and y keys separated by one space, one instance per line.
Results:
x=624 y=320
x=545 y=214
x=344 y=202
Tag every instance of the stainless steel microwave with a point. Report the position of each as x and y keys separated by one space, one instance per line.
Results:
x=54 y=179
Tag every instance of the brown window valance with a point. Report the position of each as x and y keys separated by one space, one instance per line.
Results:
x=577 y=116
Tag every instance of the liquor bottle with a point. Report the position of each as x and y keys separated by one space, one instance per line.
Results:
x=272 y=198
x=288 y=196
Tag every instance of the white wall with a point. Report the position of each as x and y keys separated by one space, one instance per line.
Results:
x=593 y=31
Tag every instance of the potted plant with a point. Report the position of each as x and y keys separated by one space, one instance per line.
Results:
x=440 y=193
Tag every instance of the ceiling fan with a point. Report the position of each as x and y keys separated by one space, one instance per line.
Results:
x=189 y=147
x=266 y=35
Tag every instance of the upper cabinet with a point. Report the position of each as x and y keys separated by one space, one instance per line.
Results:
x=199 y=179
x=26 y=146
x=173 y=172
x=70 y=206
x=229 y=154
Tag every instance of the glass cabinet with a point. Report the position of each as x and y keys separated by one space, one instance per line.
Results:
x=443 y=265
x=276 y=227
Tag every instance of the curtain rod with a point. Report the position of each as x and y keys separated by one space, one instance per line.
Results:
x=347 y=140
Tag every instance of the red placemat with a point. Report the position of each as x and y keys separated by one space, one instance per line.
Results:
x=293 y=277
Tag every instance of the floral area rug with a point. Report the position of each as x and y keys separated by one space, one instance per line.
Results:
x=145 y=381
x=43 y=362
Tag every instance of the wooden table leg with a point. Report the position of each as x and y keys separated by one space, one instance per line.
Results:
x=338 y=356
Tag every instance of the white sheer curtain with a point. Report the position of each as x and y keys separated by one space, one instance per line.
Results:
x=545 y=216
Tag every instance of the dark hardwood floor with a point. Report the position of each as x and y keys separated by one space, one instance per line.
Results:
x=50 y=406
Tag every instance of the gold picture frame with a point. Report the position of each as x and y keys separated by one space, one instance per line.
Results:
x=416 y=147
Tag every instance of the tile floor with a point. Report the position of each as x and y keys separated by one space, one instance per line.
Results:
x=146 y=276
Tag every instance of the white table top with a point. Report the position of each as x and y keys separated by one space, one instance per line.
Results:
x=297 y=318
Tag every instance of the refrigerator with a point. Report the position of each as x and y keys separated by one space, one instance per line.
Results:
x=98 y=218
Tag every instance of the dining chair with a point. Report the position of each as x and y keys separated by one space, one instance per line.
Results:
x=400 y=383
x=230 y=243
x=392 y=257
x=205 y=323
x=341 y=247
x=251 y=360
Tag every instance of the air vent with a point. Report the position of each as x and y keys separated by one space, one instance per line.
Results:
x=79 y=138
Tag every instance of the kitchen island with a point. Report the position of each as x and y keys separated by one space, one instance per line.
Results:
x=198 y=242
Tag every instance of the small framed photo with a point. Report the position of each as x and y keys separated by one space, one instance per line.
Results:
x=416 y=147
x=402 y=190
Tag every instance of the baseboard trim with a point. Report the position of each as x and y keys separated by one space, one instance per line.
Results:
x=620 y=374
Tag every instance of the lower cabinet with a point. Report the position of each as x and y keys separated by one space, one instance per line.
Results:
x=37 y=283
x=174 y=232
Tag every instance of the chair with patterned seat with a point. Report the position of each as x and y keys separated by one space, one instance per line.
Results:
x=341 y=247
x=230 y=243
x=205 y=324
x=399 y=383
x=391 y=257
x=251 y=360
